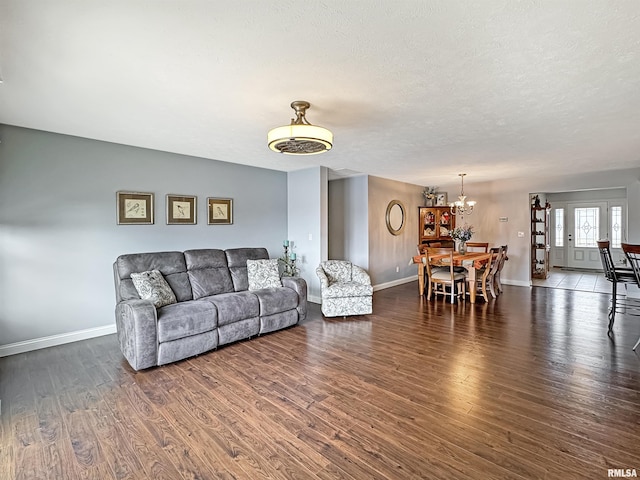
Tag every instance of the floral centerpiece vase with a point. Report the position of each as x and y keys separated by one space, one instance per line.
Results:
x=462 y=235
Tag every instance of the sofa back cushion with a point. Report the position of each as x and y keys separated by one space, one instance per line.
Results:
x=171 y=264
x=208 y=272
x=237 y=261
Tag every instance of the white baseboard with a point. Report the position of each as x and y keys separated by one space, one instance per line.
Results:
x=395 y=283
x=314 y=299
x=517 y=283
x=53 y=340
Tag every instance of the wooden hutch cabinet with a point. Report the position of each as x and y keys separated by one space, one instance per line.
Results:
x=435 y=224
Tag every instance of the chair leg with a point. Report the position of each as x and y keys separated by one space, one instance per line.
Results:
x=612 y=312
x=498 y=283
x=483 y=289
x=492 y=288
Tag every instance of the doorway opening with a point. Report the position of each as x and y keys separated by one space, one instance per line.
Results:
x=577 y=221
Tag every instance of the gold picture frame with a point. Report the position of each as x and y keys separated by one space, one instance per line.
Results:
x=134 y=208
x=181 y=209
x=220 y=211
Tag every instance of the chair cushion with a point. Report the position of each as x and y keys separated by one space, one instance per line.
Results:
x=263 y=274
x=446 y=275
x=152 y=286
x=347 y=289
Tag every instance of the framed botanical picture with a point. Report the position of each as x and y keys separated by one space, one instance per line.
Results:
x=181 y=210
x=441 y=199
x=220 y=211
x=134 y=208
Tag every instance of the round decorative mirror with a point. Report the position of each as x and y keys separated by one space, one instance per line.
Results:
x=395 y=217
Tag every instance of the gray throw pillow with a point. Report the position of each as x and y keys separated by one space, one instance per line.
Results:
x=152 y=286
x=263 y=274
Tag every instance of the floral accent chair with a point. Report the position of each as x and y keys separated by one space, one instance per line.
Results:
x=346 y=289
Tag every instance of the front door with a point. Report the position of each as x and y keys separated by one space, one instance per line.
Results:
x=586 y=224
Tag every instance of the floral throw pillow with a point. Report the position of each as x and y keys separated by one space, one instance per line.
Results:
x=263 y=274
x=152 y=286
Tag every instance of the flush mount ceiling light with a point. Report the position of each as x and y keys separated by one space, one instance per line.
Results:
x=300 y=138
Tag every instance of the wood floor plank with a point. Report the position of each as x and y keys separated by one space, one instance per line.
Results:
x=525 y=386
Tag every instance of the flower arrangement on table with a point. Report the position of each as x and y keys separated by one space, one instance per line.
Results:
x=462 y=234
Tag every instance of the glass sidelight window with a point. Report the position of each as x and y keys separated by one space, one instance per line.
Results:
x=559 y=227
x=616 y=227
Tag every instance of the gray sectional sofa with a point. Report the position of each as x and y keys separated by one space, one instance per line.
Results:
x=214 y=306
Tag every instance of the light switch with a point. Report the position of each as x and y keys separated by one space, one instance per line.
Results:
x=520 y=234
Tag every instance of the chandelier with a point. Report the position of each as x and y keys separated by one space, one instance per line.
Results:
x=462 y=206
x=300 y=137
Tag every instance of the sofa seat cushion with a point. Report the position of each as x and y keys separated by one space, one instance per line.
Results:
x=233 y=307
x=347 y=289
x=276 y=300
x=183 y=319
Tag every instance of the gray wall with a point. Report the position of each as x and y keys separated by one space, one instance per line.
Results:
x=349 y=220
x=386 y=251
x=307 y=222
x=58 y=232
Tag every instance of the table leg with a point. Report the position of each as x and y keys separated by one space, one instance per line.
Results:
x=472 y=283
x=421 y=278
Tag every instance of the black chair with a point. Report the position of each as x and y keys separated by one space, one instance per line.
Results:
x=632 y=252
x=615 y=275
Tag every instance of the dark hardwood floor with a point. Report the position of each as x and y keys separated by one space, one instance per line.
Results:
x=526 y=386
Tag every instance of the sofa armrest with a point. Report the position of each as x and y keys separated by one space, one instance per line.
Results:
x=300 y=286
x=136 y=321
x=360 y=275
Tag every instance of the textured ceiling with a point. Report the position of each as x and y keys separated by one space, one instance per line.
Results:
x=416 y=91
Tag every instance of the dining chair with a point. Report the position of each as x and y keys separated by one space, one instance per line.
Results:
x=477 y=247
x=615 y=275
x=632 y=252
x=441 y=274
x=422 y=248
x=485 y=274
x=497 y=283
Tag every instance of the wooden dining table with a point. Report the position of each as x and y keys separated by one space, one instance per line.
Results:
x=470 y=260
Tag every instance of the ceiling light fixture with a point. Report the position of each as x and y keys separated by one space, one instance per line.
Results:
x=300 y=138
x=462 y=206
